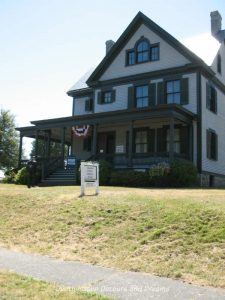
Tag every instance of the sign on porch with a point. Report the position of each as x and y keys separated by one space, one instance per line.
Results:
x=89 y=177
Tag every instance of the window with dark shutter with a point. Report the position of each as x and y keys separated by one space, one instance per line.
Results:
x=105 y=97
x=211 y=98
x=152 y=94
x=212 y=144
x=89 y=104
x=130 y=98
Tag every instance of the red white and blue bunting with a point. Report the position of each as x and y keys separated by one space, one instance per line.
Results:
x=80 y=131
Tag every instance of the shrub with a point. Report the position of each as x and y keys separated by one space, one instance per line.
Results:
x=130 y=178
x=21 y=176
x=184 y=172
x=105 y=170
x=10 y=176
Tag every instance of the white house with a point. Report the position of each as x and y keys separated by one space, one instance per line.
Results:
x=149 y=100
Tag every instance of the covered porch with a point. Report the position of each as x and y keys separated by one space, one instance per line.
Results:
x=127 y=139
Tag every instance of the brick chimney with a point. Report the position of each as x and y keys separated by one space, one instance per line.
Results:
x=109 y=45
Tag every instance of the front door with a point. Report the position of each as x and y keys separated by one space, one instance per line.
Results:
x=106 y=145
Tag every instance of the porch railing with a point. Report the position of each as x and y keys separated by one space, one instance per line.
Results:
x=49 y=165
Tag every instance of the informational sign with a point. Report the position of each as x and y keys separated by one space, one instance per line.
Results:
x=120 y=149
x=89 y=177
x=70 y=163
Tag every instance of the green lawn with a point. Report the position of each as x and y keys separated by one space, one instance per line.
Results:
x=13 y=287
x=168 y=232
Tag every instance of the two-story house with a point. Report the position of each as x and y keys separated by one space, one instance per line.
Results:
x=149 y=100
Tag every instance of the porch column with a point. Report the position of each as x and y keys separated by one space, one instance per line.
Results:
x=130 y=149
x=171 y=143
x=20 y=150
x=191 y=143
x=94 y=140
x=63 y=144
x=48 y=150
x=36 y=143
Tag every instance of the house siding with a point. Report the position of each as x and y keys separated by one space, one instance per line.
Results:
x=215 y=122
x=120 y=102
x=214 y=64
x=169 y=57
x=79 y=106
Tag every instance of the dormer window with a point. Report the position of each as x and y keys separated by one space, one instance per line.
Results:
x=142 y=52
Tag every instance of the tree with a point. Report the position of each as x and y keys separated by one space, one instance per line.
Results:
x=9 y=141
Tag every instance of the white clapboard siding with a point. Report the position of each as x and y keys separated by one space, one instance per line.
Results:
x=79 y=106
x=214 y=64
x=169 y=57
x=119 y=103
x=215 y=122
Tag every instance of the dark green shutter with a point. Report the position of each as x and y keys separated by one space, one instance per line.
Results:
x=215 y=101
x=152 y=94
x=88 y=105
x=131 y=98
x=208 y=143
x=184 y=91
x=151 y=140
x=208 y=95
x=99 y=99
x=161 y=139
x=160 y=93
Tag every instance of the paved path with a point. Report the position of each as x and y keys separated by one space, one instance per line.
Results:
x=109 y=282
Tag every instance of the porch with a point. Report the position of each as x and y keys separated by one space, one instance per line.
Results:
x=127 y=139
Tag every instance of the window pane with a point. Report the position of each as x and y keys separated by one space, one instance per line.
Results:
x=139 y=91
x=169 y=86
x=177 y=86
x=131 y=58
x=155 y=53
x=145 y=91
x=170 y=98
x=144 y=102
x=176 y=98
x=142 y=46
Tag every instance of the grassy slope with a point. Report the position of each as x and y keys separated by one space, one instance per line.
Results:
x=174 y=233
x=13 y=286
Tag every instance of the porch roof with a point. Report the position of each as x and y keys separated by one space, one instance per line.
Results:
x=160 y=111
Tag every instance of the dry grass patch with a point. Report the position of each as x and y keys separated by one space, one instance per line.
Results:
x=174 y=233
x=13 y=286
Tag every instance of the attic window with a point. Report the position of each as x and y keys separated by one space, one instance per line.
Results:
x=142 y=52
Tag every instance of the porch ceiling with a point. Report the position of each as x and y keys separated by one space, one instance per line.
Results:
x=160 y=111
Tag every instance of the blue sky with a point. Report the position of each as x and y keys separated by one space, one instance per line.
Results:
x=47 y=45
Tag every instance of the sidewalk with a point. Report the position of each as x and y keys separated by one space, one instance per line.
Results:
x=105 y=281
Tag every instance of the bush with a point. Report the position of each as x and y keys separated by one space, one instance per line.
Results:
x=105 y=170
x=10 y=176
x=130 y=178
x=184 y=172
x=21 y=176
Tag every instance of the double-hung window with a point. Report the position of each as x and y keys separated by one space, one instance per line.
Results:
x=107 y=97
x=141 y=96
x=177 y=141
x=173 y=91
x=212 y=144
x=141 y=141
x=211 y=98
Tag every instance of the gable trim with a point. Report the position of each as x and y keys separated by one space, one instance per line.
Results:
x=140 y=19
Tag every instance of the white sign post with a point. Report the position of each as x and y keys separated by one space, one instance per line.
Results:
x=89 y=177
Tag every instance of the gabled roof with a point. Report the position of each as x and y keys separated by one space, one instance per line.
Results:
x=140 y=19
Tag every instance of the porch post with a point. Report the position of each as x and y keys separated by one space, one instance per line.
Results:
x=49 y=144
x=130 y=149
x=191 y=143
x=63 y=144
x=171 y=143
x=36 y=144
x=94 y=141
x=20 y=150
